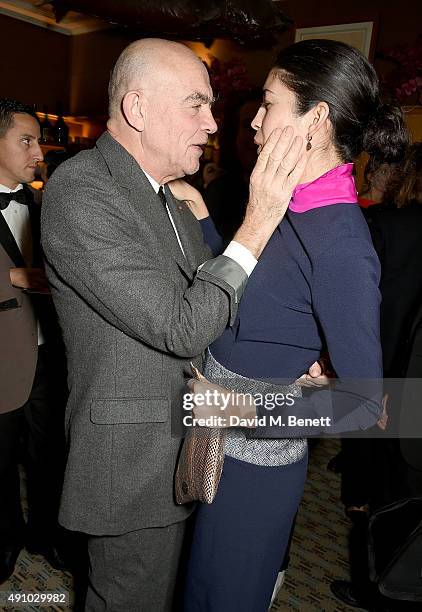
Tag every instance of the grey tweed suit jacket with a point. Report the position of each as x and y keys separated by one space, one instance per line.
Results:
x=133 y=312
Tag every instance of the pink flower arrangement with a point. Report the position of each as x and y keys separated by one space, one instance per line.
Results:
x=227 y=77
x=405 y=79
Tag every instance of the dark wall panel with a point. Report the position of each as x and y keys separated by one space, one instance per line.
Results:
x=34 y=64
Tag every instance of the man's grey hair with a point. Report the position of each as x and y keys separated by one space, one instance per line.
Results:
x=140 y=62
x=131 y=64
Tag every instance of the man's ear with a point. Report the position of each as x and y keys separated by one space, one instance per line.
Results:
x=133 y=109
x=319 y=116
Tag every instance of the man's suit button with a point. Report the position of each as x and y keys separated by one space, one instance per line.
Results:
x=185 y=487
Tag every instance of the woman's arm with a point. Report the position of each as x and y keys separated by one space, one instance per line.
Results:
x=346 y=302
x=183 y=191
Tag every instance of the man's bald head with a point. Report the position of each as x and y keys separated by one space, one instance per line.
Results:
x=144 y=63
x=160 y=107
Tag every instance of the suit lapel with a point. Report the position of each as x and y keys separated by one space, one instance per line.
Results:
x=34 y=219
x=149 y=203
x=178 y=212
x=145 y=202
x=9 y=244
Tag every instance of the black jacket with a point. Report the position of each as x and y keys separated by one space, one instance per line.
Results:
x=397 y=236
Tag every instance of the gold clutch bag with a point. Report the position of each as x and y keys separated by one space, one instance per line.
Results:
x=200 y=463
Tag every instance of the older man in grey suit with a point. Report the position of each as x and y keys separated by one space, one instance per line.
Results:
x=122 y=259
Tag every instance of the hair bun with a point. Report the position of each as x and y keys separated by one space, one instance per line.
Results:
x=386 y=137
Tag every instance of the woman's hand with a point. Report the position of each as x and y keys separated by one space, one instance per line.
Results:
x=319 y=374
x=185 y=192
x=215 y=402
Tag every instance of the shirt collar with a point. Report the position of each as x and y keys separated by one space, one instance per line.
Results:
x=337 y=186
x=4 y=189
x=156 y=186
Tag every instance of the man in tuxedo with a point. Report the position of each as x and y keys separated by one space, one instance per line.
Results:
x=123 y=259
x=29 y=397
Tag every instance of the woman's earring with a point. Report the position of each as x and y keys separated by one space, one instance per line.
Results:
x=308 y=145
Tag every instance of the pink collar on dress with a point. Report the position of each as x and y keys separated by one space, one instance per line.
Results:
x=334 y=187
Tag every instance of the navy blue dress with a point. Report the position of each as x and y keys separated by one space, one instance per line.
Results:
x=314 y=287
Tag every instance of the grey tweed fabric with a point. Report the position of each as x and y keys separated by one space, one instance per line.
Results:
x=271 y=452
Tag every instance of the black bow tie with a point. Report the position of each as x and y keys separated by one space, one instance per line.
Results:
x=16 y=196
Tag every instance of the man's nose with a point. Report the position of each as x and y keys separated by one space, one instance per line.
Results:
x=210 y=125
x=38 y=154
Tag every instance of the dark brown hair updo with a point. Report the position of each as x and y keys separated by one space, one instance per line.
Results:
x=335 y=73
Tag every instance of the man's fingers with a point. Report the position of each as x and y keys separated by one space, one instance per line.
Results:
x=274 y=150
x=285 y=147
x=283 y=155
x=279 y=148
x=292 y=158
x=297 y=172
x=261 y=162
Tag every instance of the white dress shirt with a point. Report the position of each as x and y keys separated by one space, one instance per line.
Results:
x=234 y=250
x=17 y=218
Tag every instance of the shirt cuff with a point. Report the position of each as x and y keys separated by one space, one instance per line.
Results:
x=241 y=255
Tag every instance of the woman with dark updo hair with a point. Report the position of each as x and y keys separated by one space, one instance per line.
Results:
x=314 y=288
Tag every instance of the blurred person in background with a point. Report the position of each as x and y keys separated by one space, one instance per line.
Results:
x=396 y=228
x=377 y=174
x=227 y=193
x=52 y=160
x=375 y=473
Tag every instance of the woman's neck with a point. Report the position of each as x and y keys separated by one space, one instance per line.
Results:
x=318 y=164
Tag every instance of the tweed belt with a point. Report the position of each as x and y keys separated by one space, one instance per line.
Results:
x=271 y=452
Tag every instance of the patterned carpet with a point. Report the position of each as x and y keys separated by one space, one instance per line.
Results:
x=318 y=554
x=319 y=548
